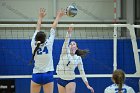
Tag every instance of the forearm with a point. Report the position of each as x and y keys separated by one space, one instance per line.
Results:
x=68 y=35
x=66 y=43
x=39 y=23
x=67 y=38
x=89 y=87
x=86 y=83
x=55 y=22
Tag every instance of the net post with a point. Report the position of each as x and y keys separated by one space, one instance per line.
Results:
x=135 y=47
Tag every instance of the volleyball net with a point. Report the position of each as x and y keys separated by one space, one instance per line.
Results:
x=112 y=46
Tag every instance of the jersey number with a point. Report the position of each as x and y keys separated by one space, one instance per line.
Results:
x=40 y=51
x=123 y=90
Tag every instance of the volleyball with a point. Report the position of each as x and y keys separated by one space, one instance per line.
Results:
x=71 y=10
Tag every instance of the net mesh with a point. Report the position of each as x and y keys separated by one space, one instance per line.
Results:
x=98 y=38
x=15 y=53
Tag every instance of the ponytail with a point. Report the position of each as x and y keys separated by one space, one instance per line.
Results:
x=119 y=78
x=81 y=53
x=33 y=55
x=120 y=85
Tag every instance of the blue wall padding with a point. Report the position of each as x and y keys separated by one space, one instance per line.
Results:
x=16 y=54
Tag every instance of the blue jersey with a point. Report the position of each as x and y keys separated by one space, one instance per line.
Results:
x=114 y=89
x=43 y=57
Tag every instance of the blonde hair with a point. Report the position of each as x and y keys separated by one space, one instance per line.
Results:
x=118 y=77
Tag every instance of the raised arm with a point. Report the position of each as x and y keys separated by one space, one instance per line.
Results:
x=59 y=15
x=42 y=14
x=52 y=31
x=67 y=40
x=82 y=73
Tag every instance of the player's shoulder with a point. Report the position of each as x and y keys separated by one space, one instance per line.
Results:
x=112 y=86
x=78 y=57
x=110 y=89
x=128 y=87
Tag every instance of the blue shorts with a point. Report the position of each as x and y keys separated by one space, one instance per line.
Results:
x=43 y=78
x=64 y=82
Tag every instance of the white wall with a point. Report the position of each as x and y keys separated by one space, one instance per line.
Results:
x=25 y=10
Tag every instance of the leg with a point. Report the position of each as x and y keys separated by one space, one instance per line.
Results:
x=35 y=88
x=48 y=88
x=70 y=87
x=61 y=89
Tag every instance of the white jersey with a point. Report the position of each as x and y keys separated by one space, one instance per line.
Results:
x=43 y=57
x=67 y=64
x=114 y=89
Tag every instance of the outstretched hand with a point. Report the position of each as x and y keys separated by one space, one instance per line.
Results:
x=60 y=13
x=91 y=89
x=42 y=12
